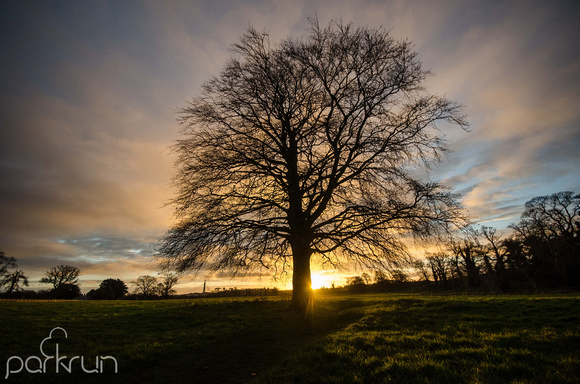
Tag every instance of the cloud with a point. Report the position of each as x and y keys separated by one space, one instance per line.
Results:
x=83 y=147
x=522 y=96
x=89 y=92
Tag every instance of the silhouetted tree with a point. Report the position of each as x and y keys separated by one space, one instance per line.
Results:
x=469 y=251
x=302 y=149
x=62 y=274
x=516 y=255
x=495 y=259
x=421 y=267
x=440 y=265
x=145 y=285
x=399 y=276
x=380 y=276
x=496 y=248
x=381 y=281
x=66 y=291
x=115 y=288
x=109 y=289
x=165 y=288
x=12 y=281
x=356 y=284
x=6 y=263
x=64 y=279
x=549 y=229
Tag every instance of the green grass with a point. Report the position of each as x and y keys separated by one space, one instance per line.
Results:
x=349 y=339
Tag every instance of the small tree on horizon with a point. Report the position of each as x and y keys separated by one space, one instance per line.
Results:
x=6 y=263
x=64 y=279
x=145 y=285
x=60 y=275
x=165 y=287
x=13 y=281
x=303 y=150
x=109 y=289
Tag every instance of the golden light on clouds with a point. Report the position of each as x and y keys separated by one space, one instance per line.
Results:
x=89 y=92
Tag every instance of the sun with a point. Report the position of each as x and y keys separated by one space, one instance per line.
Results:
x=319 y=281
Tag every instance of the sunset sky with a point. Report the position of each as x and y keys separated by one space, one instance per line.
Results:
x=89 y=92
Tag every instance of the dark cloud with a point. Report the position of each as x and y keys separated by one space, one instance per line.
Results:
x=107 y=247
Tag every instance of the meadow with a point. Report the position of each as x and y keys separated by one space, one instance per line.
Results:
x=348 y=339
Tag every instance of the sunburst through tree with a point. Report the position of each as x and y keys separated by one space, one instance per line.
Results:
x=302 y=150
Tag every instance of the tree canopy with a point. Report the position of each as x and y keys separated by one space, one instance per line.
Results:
x=168 y=281
x=549 y=233
x=60 y=275
x=109 y=289
x=542 y=251
x=6 y=263
x=11 y=280
x=305 y=148
x=64 y=279
x=145 y=285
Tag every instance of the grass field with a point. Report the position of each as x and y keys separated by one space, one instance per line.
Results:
x=349 y=339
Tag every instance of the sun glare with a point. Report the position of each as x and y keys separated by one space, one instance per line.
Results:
x=319 y=281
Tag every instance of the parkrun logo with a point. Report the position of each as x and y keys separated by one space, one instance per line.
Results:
x=35 y=364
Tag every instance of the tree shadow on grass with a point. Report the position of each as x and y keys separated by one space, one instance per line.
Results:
x=174 y=341
x=228 y=342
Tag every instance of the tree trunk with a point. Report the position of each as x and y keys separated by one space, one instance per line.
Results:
x=302 y=295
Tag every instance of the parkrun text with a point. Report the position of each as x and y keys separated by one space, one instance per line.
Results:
x=55 y=362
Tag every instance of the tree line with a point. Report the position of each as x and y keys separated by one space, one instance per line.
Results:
x=542 y=251
x=65 y=284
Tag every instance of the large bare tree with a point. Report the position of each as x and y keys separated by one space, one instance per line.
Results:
x=303 y=149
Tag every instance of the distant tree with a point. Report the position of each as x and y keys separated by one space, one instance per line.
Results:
x=64 y=279
x=366 y=278
x=145 y=285
x=302 y=149
x=455 y=268
x=66 y=291
x=356 y=284
x=381 y=280
x=497 y=248
x=469 y=251
x=551 y=217
x=380 y=276
x=62 y=274
x=114 y=288
x=165 y=287
x=516 y=255
x=421 y=267
x=439 y=263
x=399 y=276
x=549 y=230
x=6 y=263
x=93 y=295
x=518 y=272
x=13 y=281
x=109 y=289
x=495 y=259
